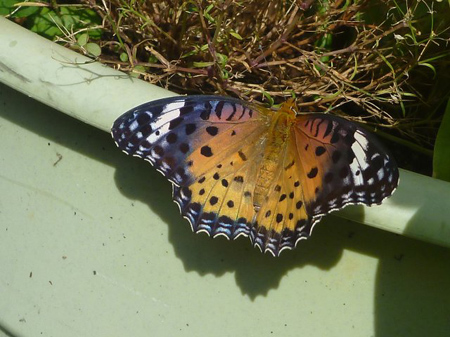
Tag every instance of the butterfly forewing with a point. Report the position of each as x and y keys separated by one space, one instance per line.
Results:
x=177 y=133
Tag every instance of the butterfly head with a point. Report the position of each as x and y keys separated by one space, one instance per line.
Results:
x=289 y=107
x=282 y=122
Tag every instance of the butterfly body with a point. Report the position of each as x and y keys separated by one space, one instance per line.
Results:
x=240 y=169
x=278 y=135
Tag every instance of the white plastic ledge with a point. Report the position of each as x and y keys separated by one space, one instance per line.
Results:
x=97 y=95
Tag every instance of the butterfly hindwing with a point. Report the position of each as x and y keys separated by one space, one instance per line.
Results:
x=220 y=202
x=283 y=219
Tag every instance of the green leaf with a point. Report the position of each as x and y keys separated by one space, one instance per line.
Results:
x=45 y=23
x=123 y=57
x=152 y=59
x=268 y=97
x=207 y=15
x=441 y=158
x=138 y=71
x=66 y=20
x=82 y=39
x=222 y=59
x=189 y=53
x=208 y=9
x=225 y=74
x=7 y=8
x=433 y=69
x=202 y=64
x=235 y=35
x=325 y=42
x=93 y=49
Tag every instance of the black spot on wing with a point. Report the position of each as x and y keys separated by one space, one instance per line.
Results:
x=206 y=151
x=320 y=150
x=212 y=130
x=184 y=148
x=242 y=155
x=313 y=173
x=190 y=129
x=175 y=123
x=171 y=138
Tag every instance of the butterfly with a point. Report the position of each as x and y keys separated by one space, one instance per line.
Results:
x=239 y=169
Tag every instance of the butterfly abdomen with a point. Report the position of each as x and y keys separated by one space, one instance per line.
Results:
x=280 y=130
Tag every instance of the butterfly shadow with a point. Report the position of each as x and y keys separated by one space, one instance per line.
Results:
x=256 y=273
